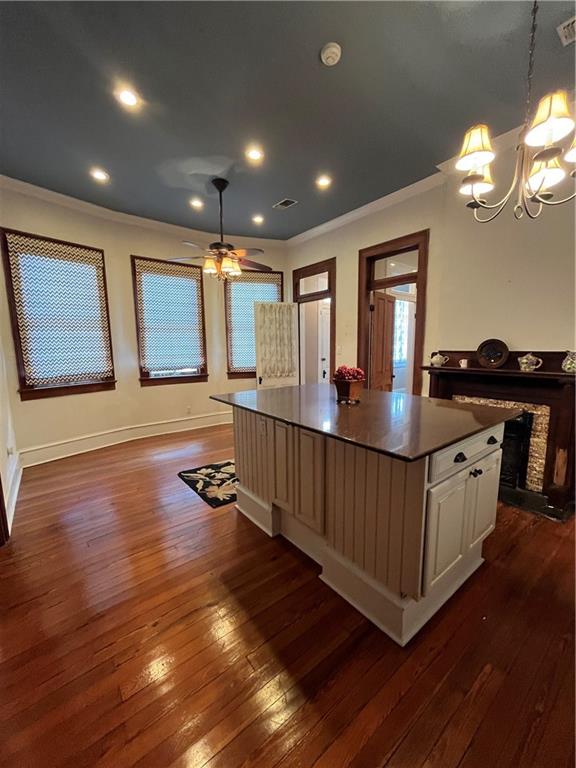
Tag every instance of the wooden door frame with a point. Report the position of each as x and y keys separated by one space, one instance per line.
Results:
x=367 y=257
x=329 y=266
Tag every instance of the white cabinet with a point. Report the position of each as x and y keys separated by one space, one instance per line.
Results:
x=460 y=513
x=483 y=493
x=445 y=528
x=309 y=478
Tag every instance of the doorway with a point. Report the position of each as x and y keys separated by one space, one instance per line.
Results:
x=391 y=312
x=314 y=291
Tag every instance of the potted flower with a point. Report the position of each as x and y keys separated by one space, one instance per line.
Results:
x=349 y=383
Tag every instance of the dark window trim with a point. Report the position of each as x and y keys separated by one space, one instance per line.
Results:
x=251 y=374
x=329 y=266
x=151 y=381
x=25 y=391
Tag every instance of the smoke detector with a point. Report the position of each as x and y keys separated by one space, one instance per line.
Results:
x=567 y=31
x=330 y=54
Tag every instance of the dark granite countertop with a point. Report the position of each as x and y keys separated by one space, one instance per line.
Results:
x=404 y=426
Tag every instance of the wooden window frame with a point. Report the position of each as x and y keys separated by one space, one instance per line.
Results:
x=318 y=268
x=153 y=381
x=26 y=391
x=367 y=257
x=243 y=374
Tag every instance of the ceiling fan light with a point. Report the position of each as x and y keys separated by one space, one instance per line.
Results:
x=570 y=156
x=228 y=266
x=209 y=267
x=481 y=181
x=545 y=175
x=552 y=121
x=476 y=149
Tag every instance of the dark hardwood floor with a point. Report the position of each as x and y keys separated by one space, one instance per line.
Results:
x=140 y=627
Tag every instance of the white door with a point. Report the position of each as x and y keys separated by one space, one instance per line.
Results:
x=445 y=528
x=324 y=341
x=276 y=332
x=484 y=497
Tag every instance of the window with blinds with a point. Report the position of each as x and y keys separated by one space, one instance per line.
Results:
x=239 y=297
x=59 y=312
x=169 y=302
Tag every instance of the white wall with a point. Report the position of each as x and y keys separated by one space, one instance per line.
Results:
x=10 y=468
x=58 y=426
x=509 y=279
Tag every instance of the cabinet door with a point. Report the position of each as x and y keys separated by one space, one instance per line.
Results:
x=309 y=479
x=445 y=527
x=484 y=496
x=283 y=466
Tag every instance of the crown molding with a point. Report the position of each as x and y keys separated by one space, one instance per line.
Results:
x=31 y=190
x=418 y=188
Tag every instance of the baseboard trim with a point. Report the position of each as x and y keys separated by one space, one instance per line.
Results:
x=13 y=489
x=61 y=449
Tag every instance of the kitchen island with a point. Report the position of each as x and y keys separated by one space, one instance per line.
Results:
x=393 y=497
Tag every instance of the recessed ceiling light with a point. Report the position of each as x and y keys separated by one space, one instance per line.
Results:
x=392 y=264
x=99 y=175
x=127 y=97
x=323 y=181
x=196 y=203
x=258 y=219
x=254 y=154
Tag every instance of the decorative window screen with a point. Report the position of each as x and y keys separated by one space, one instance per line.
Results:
x=170 y=319
x=59 y=310
x=401 y=313
x=239 y=297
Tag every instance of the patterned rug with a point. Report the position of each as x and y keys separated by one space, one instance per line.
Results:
x=214 y=483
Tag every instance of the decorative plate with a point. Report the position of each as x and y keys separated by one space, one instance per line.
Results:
x=492 y=353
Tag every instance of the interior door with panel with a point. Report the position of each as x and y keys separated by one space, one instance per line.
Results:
x=276 y=335
x=382 y=342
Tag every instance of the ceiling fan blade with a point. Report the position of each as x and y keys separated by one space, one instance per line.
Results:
x=254 y=265
x=243 y=252
x=189 y=258
x=192 y=245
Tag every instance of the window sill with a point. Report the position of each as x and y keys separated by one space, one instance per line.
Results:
x=37 y=393
x=152 y=381
x=241 y=374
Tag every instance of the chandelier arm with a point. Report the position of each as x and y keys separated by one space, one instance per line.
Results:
x=556 y=202
x=492 y=216
x=530 y=214
x=504 y=200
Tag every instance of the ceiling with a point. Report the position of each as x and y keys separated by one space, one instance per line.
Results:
x=217 y=75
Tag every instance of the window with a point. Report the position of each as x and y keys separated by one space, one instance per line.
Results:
x=169 y=301
x=59 y=313
x=239 y=297
x=401 y=313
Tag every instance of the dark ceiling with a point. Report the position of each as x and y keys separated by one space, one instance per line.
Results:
x=216 y=75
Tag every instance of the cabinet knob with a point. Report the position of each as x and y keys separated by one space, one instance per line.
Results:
x=479 y=471
x=459 y=458
x=492 y=440
x=474 y=473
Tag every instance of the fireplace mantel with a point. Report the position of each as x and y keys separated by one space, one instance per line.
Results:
x=548 y=385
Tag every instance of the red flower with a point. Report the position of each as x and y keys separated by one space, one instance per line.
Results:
x=346 y=373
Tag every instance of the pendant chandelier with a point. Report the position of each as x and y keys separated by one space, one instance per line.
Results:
x=538 y=154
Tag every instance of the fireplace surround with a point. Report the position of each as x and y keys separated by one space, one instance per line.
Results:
x=548 y=395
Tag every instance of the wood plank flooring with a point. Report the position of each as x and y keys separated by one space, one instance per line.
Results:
x=140 y=627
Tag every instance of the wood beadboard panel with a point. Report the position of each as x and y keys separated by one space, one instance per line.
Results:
x=374 y=514
x=283 y=493
x=310 y=478
x=254 y=439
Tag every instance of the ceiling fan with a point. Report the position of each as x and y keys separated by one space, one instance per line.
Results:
x=224 y=260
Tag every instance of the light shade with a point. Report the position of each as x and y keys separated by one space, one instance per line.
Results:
x=570 y=156
x=476 y=149
x=209 y=267
x=485 y=184
x=552 y=121
x=545 y=175
x=230 y=267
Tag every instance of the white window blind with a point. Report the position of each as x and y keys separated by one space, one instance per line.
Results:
x=170 y=318
x=57 y=297
x=239 y=297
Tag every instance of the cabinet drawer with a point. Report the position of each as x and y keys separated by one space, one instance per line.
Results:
x=444 y=463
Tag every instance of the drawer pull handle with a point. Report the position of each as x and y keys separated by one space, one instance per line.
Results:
x=459 y=458
x=492 y=440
